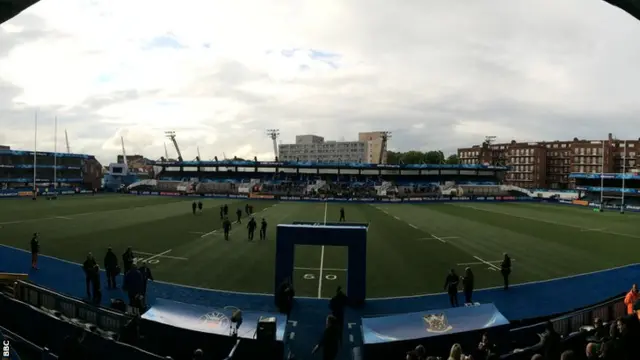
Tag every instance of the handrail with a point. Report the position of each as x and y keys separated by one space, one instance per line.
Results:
x=233 y=351
x=39 y=296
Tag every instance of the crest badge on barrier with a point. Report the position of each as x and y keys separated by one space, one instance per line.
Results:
x=437 y=323
x=215 y=320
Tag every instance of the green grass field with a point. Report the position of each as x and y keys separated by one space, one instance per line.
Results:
x=410 y=246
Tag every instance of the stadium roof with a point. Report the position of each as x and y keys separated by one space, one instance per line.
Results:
x=11 y=8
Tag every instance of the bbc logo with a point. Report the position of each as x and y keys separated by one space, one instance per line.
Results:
x=6 y=350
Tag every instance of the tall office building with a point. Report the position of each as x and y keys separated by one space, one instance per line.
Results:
x=376 y=149
x=315 y=148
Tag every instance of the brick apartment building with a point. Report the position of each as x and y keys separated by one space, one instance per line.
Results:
x=547 y=164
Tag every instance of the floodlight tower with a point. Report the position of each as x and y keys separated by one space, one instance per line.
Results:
x=385 y=136
x=273 y=134
x=124 y=152
x=66 y=140
x=171 y=135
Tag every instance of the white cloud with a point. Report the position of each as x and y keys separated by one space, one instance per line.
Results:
x=437 y=74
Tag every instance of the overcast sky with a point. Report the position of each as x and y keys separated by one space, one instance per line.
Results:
x=438 y=74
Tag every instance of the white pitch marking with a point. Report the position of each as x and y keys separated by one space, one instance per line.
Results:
x=63 y=218
x=197 y=232
x=158 y=255
x=292 y=335
x=486 y=263
x=322 y=255
x=439 y=239
x=481 y=263
x=316 y=269
x=397 y=218
x=209 y=233
x=11 y=222
x=544 y=221
x=598 y=230
x=162 y=256
x=350 y=338
x=385 y=211
x=413 y=226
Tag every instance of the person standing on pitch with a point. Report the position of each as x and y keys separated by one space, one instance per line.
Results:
x=226 y=226
x=35 y=250
x=342 y=218
x=251 y=226
x=239 y=215
x=193 y=207
x=451 y=285
x=467 y=285
x=505 y=269
x=263 y=229
x=200 y=206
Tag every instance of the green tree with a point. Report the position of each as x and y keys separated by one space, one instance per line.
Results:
x=393 y=158
x=453 y=159
x=413 y=157
x=434 y=157
x=419 y=157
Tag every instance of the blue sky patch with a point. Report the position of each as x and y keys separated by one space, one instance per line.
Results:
x=165 y=41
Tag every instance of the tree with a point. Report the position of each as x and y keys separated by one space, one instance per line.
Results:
x=413 y=157
x=393 y=158
x=434 y=157
x=453 y=159
x=418 y=157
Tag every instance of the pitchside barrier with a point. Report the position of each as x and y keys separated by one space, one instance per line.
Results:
x=346 y=199
x=29 y=193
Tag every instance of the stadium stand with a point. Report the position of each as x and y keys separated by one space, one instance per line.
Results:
x=108 y=333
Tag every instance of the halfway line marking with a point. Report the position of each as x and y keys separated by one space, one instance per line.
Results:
x=322 y=255
x=316 y=269
x=413 y=226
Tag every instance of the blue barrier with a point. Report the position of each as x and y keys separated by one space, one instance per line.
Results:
x=349 y=200
x=41 y=192
x=209 y=319
x=426 y=324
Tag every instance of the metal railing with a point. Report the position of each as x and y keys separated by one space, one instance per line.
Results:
x=70 y=307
